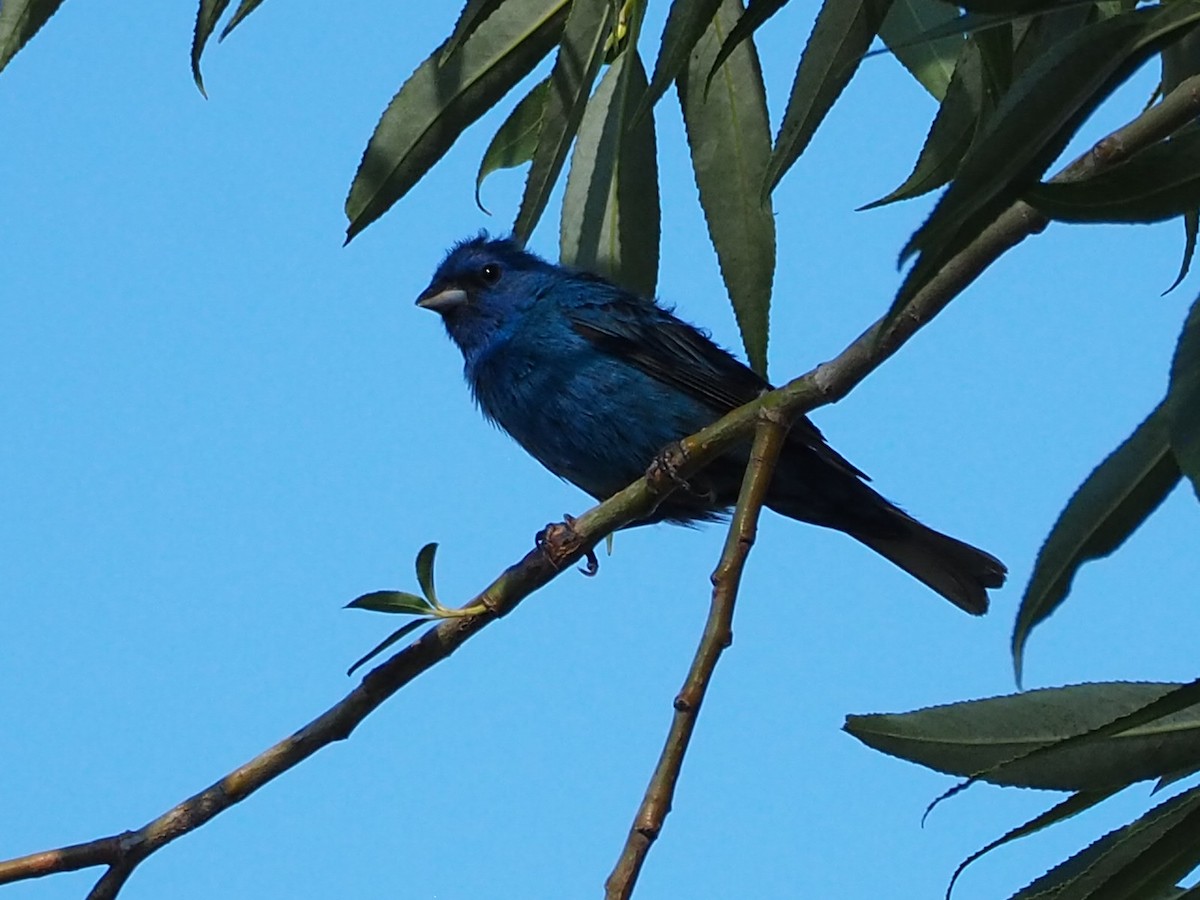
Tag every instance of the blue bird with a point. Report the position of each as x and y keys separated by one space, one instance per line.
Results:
x=594 y=381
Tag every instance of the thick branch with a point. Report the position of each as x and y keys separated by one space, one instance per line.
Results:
x=718 y=634
x=567 y=544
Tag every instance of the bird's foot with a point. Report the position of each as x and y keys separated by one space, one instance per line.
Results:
x=559 y=540
x=663 y=471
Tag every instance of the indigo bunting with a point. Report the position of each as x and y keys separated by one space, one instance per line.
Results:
x=594 y=381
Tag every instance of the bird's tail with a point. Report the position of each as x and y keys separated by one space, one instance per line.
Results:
x=959 y=572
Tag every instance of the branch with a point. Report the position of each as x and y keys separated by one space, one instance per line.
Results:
x=718 y=634
x=568 y=543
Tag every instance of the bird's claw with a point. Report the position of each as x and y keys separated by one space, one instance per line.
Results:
x=558 y=540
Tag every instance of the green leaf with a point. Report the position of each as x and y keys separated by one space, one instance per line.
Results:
x=580 y=52
x=757 y=12
x=931 y=62
x=239 y=15
x=1160 y=182
x=1138 y=861
x=209 y=12
x=1012 y=7
x=475 y=12
x=951 y=133
x=1108 y=507
x=1014 y=740
x=438 y=102
x=1183 y=399
x=843 y=31
x=1032 y=125
x=515 y=141
x=686 y=23
x=610 y=215
x=425 y=558
x=1078 y=802
x=729 y=138
x=19 y=21
x=1191 y=225
x=387 y=642
x=400 y=602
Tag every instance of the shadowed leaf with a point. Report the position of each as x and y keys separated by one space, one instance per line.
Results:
x=425 y=558
x=931 y=61
x=475 y=12
x=757 y=12
x=514 y=143
x=19 y=21
x=843 y=31
x=239 y=15
x=1055 y=739
x=1108 y=507
x=730 y=142
x=392 y=602
x=610 y=215
x=207 y=15
x=1183 y=399
x=686 y=23
x=438 y=102
x=1191 y=225
x=392 y=638
x=580 y=53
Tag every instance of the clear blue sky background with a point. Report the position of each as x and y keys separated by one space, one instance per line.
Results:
x=219 y=426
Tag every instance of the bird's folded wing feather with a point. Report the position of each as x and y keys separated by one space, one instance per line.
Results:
x=675 y=353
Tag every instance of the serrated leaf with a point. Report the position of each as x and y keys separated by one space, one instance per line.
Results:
x=396 y=635
x=1073 y=805
x=610 y=214
x=1015 y=739
x=843 y=31
x=437 y=103
x=580 y=52
x=686 y=23
x=931 y=61
x=19 y=21
x=1137 y=861
x=756 y=13
x=473 y=13
x=1031 y=126
x=1157 y=183
x=1012 y=7
x=514 y=142
x=729 y=139
x=1183 y=399
x=425 y=558
x=239 y=15
x=951 y=133
x=1191 y=225
x=207 y=15
x=1108 y=507
x=400 y=602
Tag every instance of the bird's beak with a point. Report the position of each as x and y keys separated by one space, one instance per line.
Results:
x=441 y=299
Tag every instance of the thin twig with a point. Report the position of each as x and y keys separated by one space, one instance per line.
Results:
x=567 y=544
x=718 y=634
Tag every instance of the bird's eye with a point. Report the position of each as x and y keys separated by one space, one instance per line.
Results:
x=490 y=273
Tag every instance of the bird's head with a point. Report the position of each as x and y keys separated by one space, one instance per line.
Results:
x=482 y=288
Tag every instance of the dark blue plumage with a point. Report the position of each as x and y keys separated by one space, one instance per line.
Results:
x=594 y=381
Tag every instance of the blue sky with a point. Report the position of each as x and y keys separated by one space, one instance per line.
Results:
x=220 y=426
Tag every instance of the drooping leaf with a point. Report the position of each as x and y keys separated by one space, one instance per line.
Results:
x=730 y=142
x=1031 y=126
x=1012 y=7
x=1014 y=739
x=239 y=15
x=1183 y=399
x=610 y=215
x=951 y=133
x=843 y=31
x=1191 y=226
x=425 y=558
x=392 y=602
x=19 y=21
x=1160 y=182
x=687 y=21
x=439 y=101
x=1108 y=507
x=1078 y=802
x=392 y=638
x=1138 y=861
x=474 y=12
x=1044 y=31
x=931 y=62
x=580 y=52
x=756 y=13
x=207 y=16
x=514 y=143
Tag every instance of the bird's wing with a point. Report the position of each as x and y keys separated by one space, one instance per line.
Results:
x=677 y=354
